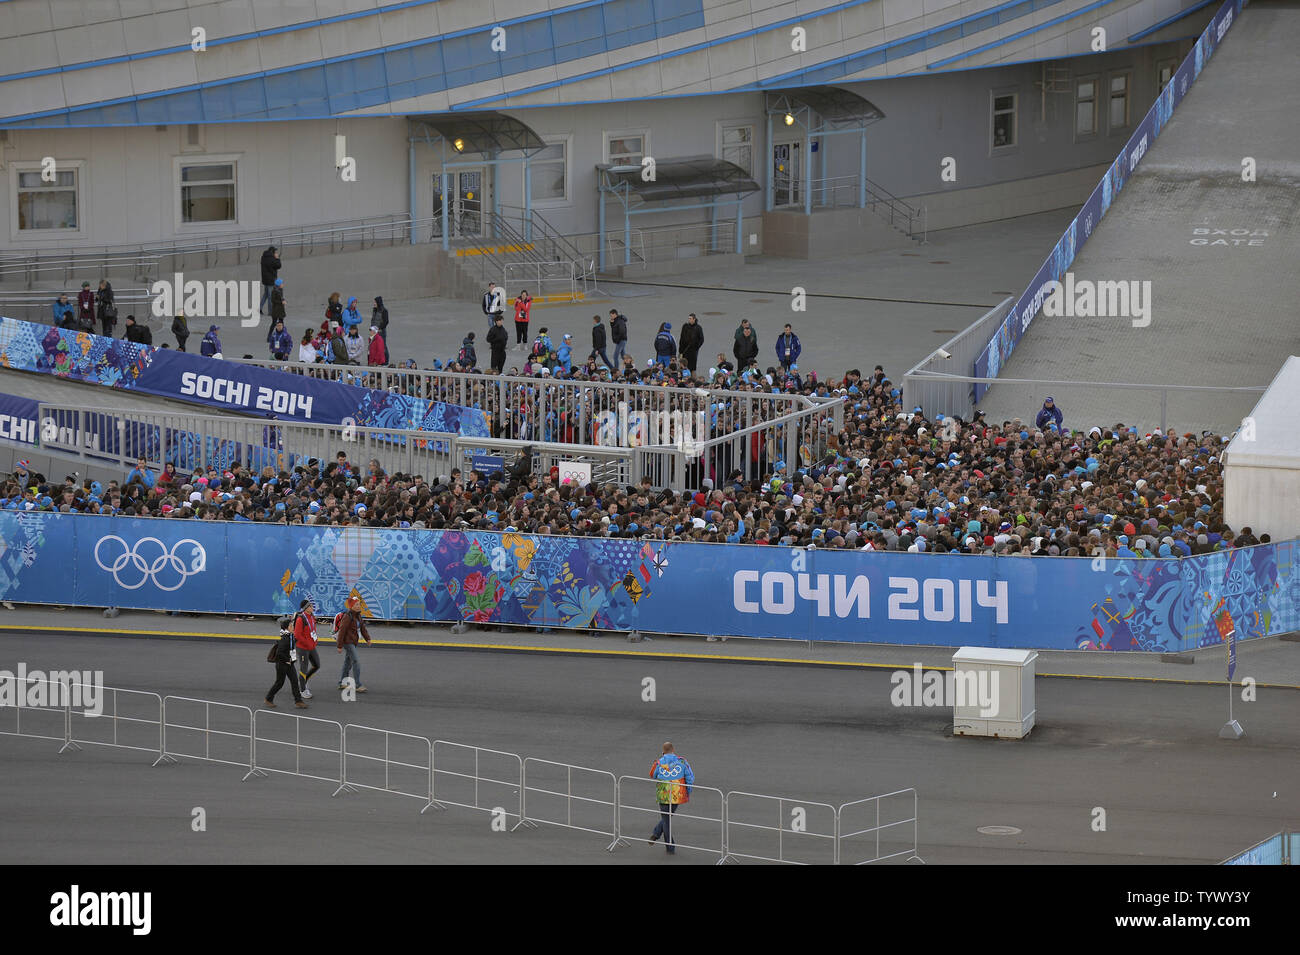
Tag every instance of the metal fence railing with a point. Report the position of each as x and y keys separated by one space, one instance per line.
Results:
x=925 y=383
x=1281 y=848
x=441 y=773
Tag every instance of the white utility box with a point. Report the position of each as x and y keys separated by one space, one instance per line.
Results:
x=993 y=692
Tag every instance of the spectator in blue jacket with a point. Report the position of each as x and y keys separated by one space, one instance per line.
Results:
x=673 y=782
x=281 y=342
x=1048 y=415
x=351 y=317
x=141 y=473
x=65 y=314
x=211 y=344
x=788 y=348
x=665 y=344
x=564 y=354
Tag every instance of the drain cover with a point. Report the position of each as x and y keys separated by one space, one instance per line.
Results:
x=940 y=262
x=999 y=830
x=715 y=313
x=944 y=331
x=761 y=300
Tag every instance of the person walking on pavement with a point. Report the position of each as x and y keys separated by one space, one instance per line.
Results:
x=285 y=667
x=494 y=302
x=598 y=342
x=498 y=339
x=304 y=637
x=692 y=341
x=181 y=330
x=665 y=345
x=270 y=266
x=350 y=628
x=618 y=332
x=278 y=312
x=674 y=781
x=788 y=348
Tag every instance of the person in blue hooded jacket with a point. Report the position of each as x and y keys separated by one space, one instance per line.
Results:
x=351 y=317
x=1048 y=415
x=674 y=780
x=65 y=313
x=665 y=344
x=564 y=354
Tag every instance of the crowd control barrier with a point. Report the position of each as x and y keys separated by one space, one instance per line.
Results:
x=440 y=773
x=570 y=797
x=699 y=825
x=1164 y=605
x=781 y=829
x=879 y=828
x=393 y=755
x=1008 y=334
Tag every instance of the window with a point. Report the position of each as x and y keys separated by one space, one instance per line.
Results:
x=626 y=149
x=1165 y=72
x=208 y=192
x=46 y=204
x=737 y=146
x=1085 y=107
x=548 y=172
x=1119 y=101
x=1004 y=120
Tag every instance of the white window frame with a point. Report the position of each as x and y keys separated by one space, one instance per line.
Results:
x=226 y=159
x=994 y=95
x=83 y=200
x=1095 y=80
x=1128 y=101
x=566 y=141
x=723 y=126
x=620 y=134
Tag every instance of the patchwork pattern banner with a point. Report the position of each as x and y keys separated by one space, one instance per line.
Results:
x=226 y=386
x=1156 y=605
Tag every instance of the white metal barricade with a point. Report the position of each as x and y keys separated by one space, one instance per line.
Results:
x=699 y=824
x=459 y=780
x=310 y=759
x=569 y=796
x=886 y=830
x=792 y=831
x=402 y=765
x=42 y=721
x=221 y=732
x=125 y=719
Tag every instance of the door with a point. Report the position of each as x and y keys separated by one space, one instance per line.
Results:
x=787 y=174
x=465 y=212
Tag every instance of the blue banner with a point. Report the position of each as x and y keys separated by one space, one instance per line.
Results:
x=990 y=361
x=1157 y=605
x=227 y=386
x=18 y=419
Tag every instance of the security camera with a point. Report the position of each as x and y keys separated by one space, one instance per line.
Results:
x=943 y=354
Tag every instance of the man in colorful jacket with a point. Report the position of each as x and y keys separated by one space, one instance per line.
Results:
x=349 y=627
x=304 y=637
x=674 y=781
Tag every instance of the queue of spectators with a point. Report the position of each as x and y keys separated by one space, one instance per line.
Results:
x=892 y=479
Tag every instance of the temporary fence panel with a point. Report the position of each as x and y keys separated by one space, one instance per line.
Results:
x=879 y=828
x=32 y=715
x=781 y=829
x=207 y=730
x=382 y=760
x=473 y=777
x=572 y=797
x=699 y=824
x=301 y=746
x=110 y=716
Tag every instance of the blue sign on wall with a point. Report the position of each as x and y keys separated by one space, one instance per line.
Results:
x=1161 y=605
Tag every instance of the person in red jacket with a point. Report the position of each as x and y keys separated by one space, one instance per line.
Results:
x=304 y=638
x=349 y=626
x=378 y=351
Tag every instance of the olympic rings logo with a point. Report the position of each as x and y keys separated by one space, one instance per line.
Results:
x=158 y=568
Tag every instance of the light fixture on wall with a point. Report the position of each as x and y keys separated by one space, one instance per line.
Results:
x=459 y=145
x=789 y=119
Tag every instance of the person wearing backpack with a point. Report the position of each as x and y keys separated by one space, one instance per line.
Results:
x=284 y=656
x=350 y=628
x=304 y=637
x=467 y=358
x=542 y=348
x=665 y=345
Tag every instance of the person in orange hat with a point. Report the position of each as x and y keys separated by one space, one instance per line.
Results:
x=350 y=628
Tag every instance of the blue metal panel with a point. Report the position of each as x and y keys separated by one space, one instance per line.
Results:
x=529 y=46
x=578 y=34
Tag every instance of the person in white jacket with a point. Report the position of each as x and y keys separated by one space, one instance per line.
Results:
x=306 y=350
